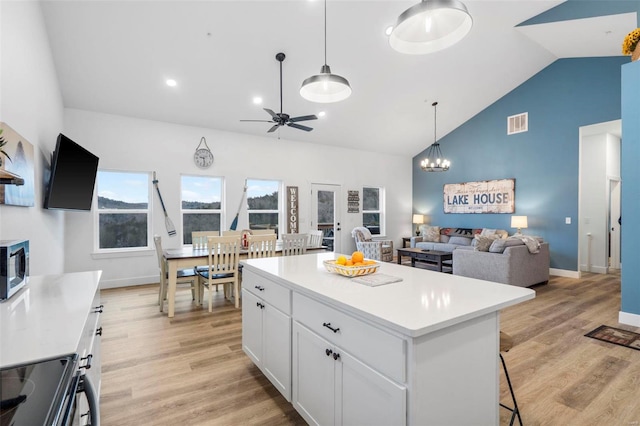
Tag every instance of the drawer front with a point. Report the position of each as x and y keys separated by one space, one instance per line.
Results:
x=381 y=350
x=272 y=293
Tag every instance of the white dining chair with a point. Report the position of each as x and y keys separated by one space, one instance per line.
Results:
x=185 y=276
x=199 y=238
x=315 y=238
x=294 y=244
x=261 y=246
x=223 y=256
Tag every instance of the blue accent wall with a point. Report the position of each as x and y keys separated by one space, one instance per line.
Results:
x=580 y=9
x=566 y=95
x=630 y=174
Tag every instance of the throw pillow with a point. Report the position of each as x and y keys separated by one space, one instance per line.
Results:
x=483 y=242
x=431 y=233
x=463 y=232
x=498 y=246
x=444 y=238
x=461 y=241
x=487 y=232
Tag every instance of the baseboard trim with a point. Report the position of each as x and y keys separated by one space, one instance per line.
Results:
x=128 y=282
x=629 y=319
x=594 y=269
x=564 y=273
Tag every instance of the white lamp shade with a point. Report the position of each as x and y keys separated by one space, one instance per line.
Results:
x=519 y=222
x=429 y=26
x=325 y=87
x=418 y=219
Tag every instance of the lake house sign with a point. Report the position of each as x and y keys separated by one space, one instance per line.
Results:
x=489 y=196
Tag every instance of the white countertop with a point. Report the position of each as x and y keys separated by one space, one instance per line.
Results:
x=425 y=301
x=45 y=319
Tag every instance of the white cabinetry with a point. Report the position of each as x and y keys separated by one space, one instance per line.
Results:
x=266 y=329
x=330 y=384
x=89 y=357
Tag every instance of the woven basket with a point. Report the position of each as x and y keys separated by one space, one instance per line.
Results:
x=350 y=271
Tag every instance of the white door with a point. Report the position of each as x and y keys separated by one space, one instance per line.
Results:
x=276 y=355
x=313 y=376
x=325 y=213
x=614 y=215
x=365 y=396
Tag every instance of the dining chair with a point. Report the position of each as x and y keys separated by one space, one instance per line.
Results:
x=223 y=257
x=261 y=246
x=231 y=232
x=294 y=244
x=199 y=238
x=315 y=238
x=184 y=275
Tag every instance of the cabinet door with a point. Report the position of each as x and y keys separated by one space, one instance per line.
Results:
x=365 y=397
x=252 y=327
x=313 y=376
x=276 y=352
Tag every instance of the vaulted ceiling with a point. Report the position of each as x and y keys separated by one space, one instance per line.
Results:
x=115 y=56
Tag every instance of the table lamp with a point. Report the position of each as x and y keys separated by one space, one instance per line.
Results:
x=418 y=219
x=519 y=222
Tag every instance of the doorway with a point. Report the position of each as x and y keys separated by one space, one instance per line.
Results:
x=614 y=224
x=325 y=214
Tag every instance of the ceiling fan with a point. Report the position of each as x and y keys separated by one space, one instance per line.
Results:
x=282 y=119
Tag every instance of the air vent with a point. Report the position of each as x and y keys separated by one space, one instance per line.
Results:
x=518 y=123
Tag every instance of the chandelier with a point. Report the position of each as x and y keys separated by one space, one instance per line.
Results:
x=435 y=161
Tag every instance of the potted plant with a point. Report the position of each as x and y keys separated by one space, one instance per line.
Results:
x=3 y=142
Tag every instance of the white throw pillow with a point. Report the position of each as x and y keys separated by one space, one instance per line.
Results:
x=430 y=233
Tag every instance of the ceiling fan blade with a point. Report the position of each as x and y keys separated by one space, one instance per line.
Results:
x=273 y=129
x=303 y=118
x=259 y=121
x=271 y=113
x=300 y=126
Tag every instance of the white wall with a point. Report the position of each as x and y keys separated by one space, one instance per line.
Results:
x=31 y=104
x=124 y=143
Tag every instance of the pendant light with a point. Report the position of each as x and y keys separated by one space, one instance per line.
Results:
x=435 y=161
x=325 y=87
x=429 y=26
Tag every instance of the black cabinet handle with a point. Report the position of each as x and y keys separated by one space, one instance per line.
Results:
x=88 y=358
x=99 y=332
x=259 y=288
x=98 y=309
x=328 y=325
x=328 y=352
x=260 y=305
x=336 y=356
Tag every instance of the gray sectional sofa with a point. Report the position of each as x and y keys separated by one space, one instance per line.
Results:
x=489 y=254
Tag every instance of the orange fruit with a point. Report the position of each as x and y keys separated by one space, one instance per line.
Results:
x=357 y=257
x=349 y=262
x=341 y=260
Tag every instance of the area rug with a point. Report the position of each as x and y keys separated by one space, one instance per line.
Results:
x=616 y=336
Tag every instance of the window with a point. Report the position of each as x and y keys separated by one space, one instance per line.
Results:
x=201 y=205
x=263 y=201
x=123 y=210
x=372 y=210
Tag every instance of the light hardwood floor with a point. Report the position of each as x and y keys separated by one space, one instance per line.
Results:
x=190 y=370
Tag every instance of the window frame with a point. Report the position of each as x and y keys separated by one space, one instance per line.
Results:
x=279 y=210
x=380 y=210
x=220 y=211
x=97 y=212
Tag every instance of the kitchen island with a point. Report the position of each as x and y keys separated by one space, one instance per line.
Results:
x=421 y=351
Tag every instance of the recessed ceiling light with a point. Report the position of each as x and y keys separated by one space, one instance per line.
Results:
x=322 y=114
x=257 y=100
x=389 y=30
x=171 y=82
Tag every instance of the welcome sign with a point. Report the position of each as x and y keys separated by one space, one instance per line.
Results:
x=489 y=196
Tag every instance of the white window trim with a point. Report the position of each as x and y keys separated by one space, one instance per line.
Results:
x=381 y=207
x=100 y=253
x=279 y=211
x=220 y=211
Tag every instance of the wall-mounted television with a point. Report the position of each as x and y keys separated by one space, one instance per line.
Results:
x=73 y=177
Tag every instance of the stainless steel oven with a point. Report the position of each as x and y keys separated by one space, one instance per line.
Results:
x=47 y=393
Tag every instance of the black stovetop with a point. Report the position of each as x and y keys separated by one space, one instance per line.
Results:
x=33 y=394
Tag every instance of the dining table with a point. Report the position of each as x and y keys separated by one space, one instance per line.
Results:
x=187 y=257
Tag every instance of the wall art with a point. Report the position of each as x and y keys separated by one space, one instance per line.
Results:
x=489 y=196
x=17 y=167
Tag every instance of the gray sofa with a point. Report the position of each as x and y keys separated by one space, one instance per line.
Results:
x=515 y=266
